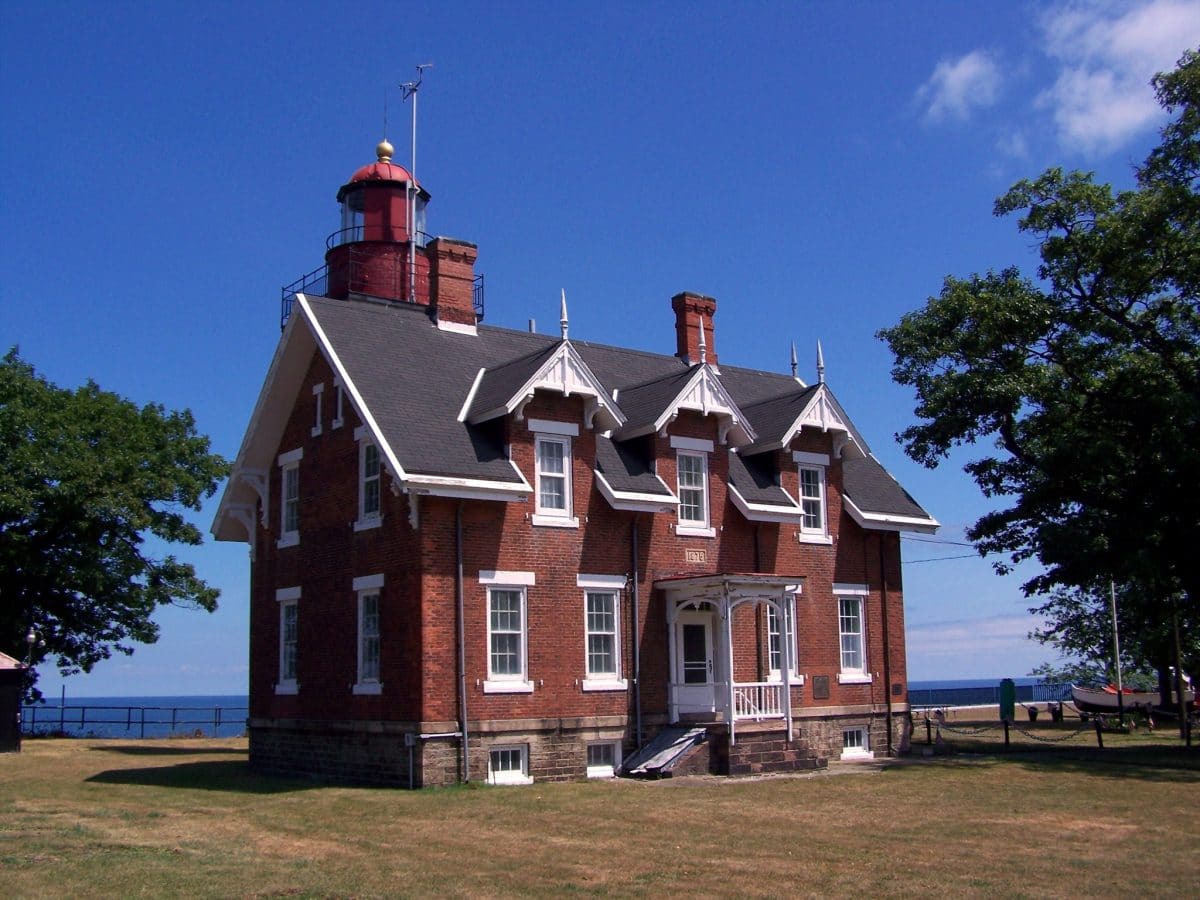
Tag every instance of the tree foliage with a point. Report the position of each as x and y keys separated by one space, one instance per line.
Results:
x=1085 y=380
x=89 y=485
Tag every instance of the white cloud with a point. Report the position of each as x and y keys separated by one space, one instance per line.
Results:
x=1108 y=53
x=959 y=86
x=974 y=648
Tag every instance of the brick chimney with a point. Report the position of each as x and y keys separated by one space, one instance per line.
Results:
x=452 y=281
x=690 y=310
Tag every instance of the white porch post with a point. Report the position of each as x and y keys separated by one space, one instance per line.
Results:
x=788 y=640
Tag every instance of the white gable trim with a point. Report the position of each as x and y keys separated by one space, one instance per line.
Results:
x=636 y=501
x=564 y=373
x=704 y=393
x=886 y=522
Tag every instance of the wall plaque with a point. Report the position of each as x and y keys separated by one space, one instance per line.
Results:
x=820 y=687
x=695 y=555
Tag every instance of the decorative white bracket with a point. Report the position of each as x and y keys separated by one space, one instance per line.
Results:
x=259 y=481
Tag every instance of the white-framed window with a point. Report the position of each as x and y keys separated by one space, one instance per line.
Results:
x=603 y=757
x=855 y=744
x=851 y=604
x=552 y=472
x=776 y=644
x=289 y=639
x=289 y=504
x=339 y=399
x=509 y=765
x=602 y=632
x=318 y=392
x=811 y=467
x=507 y=632
x=367 y=588
x=370 y=482
x=692 y=486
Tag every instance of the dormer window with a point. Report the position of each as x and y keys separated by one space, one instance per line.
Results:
x=692 y=485
x=811 y=468
x=552 y=472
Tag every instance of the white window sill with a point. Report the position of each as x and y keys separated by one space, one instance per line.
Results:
x=508 y=687
x=555 y=521
x=851 y=755
x=695 y=531
x=508 y=780
x=288 y=539
x=316 y=431
x=854 y=678
x=368 y=688
x=336 y=423
x=794 y=680
x=805 y=537
x=605 y=684
x=368 y=524
x=601 y=772
x=287 y=687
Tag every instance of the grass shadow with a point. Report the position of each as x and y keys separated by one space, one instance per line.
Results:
x=144 y=750
x=224 y=775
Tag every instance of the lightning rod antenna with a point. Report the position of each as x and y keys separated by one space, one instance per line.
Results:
x=409 y=89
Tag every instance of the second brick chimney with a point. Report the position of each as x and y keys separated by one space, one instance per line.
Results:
x=690 y=310
x=452 y=281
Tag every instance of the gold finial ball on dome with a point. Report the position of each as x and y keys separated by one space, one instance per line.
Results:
x=384 y=151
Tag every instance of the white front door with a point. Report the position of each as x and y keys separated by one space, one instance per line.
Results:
x=694 y=688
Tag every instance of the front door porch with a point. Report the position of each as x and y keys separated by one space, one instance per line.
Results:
x=704 y=684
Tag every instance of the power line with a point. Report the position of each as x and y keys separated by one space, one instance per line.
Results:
x=942 y=558
x=922 y=540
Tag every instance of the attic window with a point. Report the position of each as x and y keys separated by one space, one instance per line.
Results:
x=318 y=392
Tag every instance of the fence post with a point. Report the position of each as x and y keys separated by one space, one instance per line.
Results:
x=1099 y=734
x=1006 y=734
x=928 y=729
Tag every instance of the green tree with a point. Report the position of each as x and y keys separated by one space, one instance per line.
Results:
x=1085 y=381
x=87 y=481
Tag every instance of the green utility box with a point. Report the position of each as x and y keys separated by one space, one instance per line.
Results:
x=1008 y=700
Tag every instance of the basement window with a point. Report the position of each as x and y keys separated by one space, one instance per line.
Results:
x=509 y=765
x=602 y=759
x=854 y=744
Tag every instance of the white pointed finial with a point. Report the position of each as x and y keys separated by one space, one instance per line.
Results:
x=795 y=362
x=703 y=345
x=562 y=314
x=820 y=364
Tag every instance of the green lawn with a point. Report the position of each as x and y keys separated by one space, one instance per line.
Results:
x=94 y=818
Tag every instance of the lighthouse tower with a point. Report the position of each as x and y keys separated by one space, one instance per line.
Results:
x=380 y=249
x=382 y=252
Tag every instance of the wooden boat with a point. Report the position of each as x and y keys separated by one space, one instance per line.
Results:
x=1104 y=700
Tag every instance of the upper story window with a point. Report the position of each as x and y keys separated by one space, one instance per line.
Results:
x=289 y=639
x=369 y=482
x=851 y=600
x=602 y=631
x=507 y=633
x=552 y=472
x=318 y=393
x=339 y=398
x=289 y=506
x=368 y=588
x=811 y=467
x=692 y=484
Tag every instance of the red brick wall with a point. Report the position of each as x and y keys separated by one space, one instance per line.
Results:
x=418 y=615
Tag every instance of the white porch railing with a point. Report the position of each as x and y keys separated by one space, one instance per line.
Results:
x=758 y=700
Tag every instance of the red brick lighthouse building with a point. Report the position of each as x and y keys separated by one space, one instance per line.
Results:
x=488 y=554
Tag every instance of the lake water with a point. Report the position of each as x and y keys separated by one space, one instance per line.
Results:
x=224 y=715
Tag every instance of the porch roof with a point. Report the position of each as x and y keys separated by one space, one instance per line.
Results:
x=728 y=585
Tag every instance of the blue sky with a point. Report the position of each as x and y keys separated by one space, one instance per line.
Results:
x=819 y=168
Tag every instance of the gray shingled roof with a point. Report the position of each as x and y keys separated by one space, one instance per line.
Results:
x=414 y=378
x=873 y=489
